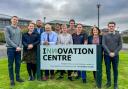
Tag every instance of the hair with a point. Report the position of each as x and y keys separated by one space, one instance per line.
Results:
x=72 y=20
x=79 y=24
x=31 y=23
x=63 y=25
x=14 y=17
x=38 y=20
x=111 y=22
x=97 y=29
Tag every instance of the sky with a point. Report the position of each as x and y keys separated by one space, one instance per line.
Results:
x=82 y=11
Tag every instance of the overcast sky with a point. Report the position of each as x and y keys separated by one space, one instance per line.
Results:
x=83 y=11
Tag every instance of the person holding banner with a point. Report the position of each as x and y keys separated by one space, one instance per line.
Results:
x=48 y=37
x=80 y=37
x=95 y=38
x=112 y=44
x=65 y=39
x=30 y=41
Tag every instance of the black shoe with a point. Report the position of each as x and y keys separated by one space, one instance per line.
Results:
x=12 y=83
x=84 y=81
x=30 y=78
x=70 y=78
x=115 y=86
x=108 y=85
x=60 y=77
x=20 y=80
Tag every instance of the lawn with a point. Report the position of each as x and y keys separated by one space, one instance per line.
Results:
x=64 y=84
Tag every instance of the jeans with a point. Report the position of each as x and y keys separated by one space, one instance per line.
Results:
x=114 y=61
x=13 y=55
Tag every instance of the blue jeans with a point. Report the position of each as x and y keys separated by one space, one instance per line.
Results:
x=83 y=74
x=13 y=55
x=114 y=61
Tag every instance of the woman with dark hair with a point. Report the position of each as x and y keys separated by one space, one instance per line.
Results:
x=30 y=41
x=95 y=38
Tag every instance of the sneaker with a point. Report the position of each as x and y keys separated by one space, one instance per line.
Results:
x=30 y=78
x=12 y=83
x=115 y=86
x=20 y=80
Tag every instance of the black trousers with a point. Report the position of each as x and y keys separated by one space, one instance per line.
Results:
x=49 y=72
x=31 y=68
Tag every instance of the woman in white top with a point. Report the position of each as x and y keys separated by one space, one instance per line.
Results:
x=65 y=39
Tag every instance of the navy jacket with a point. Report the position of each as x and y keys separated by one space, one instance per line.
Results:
x=90 y=39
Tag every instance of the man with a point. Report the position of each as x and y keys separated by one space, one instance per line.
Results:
x=39 y=28
x=48 y=38
x=13 y=37
x=80 y=38
x=71 y=28
x=58 y=28
x=112 y=44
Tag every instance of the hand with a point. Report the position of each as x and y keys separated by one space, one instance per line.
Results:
x=46 y=43
x=112 y=54
x=30 y=46
x=18 y=49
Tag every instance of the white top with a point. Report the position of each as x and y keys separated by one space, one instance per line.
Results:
x=65 y=39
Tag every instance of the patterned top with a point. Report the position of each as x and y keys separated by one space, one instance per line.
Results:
x=96 y=40
x=65 y=39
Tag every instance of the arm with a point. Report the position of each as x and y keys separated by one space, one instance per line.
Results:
x=54 y=39
x=37 y=40
x=71 y=41
x=24 y=42
x=119 y=45
x=104 y=45
x=8 y=40
x=59 y=41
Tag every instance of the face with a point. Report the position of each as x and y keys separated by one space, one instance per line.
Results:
x=57 y=27
x=48 y=28
x=64 y=29
x=14 y=21
x=111 y=27
x=72 y=24
x=79 y=28
x=95 y=31
x=39 y=23
x=31 y=27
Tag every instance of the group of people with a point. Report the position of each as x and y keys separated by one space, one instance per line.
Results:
x=111 y=45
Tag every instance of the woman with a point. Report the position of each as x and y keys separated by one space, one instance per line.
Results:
x=95 y=38
x=65 y=39
x=30 y=41
x=80 y=38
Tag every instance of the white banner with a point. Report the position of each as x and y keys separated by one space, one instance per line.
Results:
x=68 y=57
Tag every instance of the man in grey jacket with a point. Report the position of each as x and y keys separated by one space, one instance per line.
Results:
x=112 y=44
x=13 y=37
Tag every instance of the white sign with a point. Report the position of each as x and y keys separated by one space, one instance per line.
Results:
x=68 y=57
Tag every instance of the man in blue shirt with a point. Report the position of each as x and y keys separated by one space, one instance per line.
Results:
x=48 y=37
x=39 y=28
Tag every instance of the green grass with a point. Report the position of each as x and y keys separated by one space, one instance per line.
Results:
x=64 y=84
